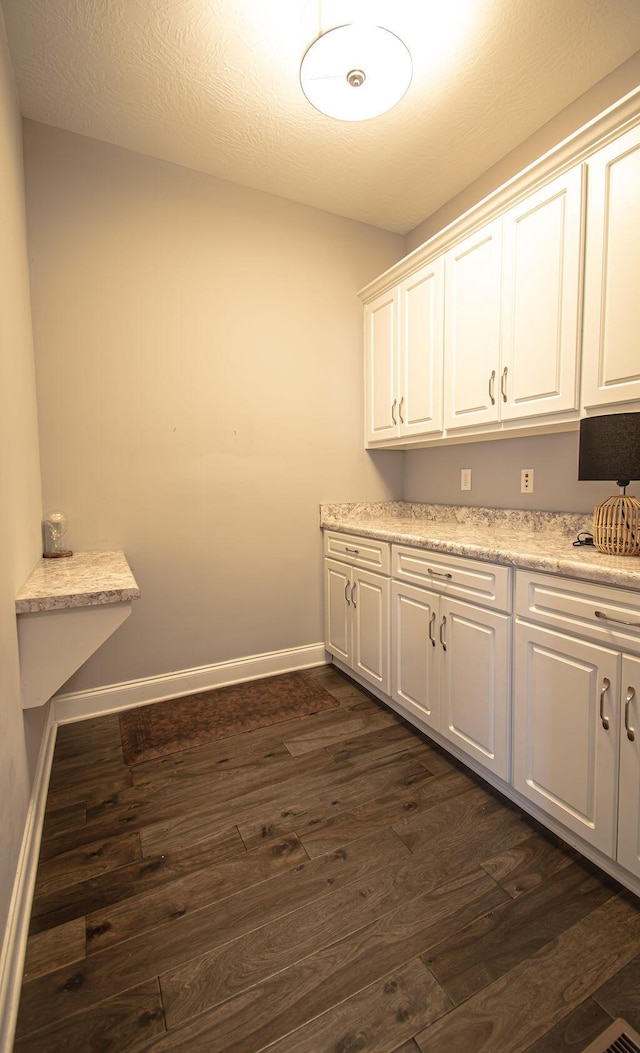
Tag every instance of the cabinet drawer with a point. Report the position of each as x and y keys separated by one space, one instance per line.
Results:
x=485 y=583
x=597 y=612
x=358 y=551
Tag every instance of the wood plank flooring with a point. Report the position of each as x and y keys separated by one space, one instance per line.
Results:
x=334 y=884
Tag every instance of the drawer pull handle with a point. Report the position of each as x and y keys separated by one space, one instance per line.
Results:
x=503 y=383
x=631 y=694
x=354 y=551
x=353 y=595
x=400 y=410
x=439 y=573
x=606 y=684
x=442 y=625
x=432 y=622
x=618 y=621
x=492 y=382
x=346 y=594
x=393 y=411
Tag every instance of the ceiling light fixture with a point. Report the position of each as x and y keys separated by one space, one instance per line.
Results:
x=355 y=72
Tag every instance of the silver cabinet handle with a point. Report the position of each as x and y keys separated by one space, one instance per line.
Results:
x=442 y=625
x=346 y=594
x=354 y=551
x=393 y=411
x=400 y=410
x=353 y=595
x=631 y=694
x=606 y=684
x=503 y=383
x=618 y=621
x=439 y=573
x=492 y=383
x=432 y=622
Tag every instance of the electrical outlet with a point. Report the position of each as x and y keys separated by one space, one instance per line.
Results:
x=465 y=479
x=526 y=481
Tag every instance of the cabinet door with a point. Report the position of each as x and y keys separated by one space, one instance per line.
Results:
x=337 y=609
x=381 y=344
x=565 y=759
x=611 y=359
x=541 y=301
x=475 y=656
x=416 y=655
x=369 y=597
x=421 y=308
x=472 y=329
x=629 y=799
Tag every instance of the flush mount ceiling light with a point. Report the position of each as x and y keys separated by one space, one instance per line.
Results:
x=355 y=72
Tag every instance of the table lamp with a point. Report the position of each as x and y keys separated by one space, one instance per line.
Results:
x=610 y=449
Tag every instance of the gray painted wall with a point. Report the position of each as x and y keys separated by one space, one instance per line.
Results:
x=19 y=475
x=434 y=474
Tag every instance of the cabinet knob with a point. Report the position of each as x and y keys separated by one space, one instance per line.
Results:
x=631 y=694
x=606 y=684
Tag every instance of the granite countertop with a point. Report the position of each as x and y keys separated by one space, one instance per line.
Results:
x=85 y=579
x=536 y=540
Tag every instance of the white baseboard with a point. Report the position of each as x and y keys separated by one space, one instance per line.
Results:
x=99 y=701
x=15 y=938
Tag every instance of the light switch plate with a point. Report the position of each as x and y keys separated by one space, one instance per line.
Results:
x=465 y=479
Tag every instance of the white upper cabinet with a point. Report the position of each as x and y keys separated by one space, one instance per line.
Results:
x=403 y=365
x=421 y=299
x=541 y=300
x=472 y=329
x=611 y=346
x=512 y=323
x=524 y=313
x=381 y=347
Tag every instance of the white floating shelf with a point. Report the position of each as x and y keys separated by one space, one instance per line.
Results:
x=66 y=610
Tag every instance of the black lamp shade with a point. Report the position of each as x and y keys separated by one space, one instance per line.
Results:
x=610 y=447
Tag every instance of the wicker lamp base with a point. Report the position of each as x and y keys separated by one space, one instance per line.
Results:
x=616 y=526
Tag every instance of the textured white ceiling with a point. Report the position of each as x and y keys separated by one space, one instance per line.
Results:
x=213 y=85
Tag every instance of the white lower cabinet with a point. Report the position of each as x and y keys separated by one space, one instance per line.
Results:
x=356 y=612
x=559 y=728
x=565 y=721
x=451 y=661
x=415 y=670
x=474 y=692
x=629 y=781
x=576 y=715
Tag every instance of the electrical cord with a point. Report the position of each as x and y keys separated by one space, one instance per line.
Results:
x=584 y=538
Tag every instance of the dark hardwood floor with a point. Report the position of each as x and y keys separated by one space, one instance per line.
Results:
x=327 y=885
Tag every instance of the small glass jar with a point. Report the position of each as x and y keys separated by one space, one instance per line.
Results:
x=54 y=529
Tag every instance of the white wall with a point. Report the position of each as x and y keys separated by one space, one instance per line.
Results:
x=19 y=473
x=199 y=363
